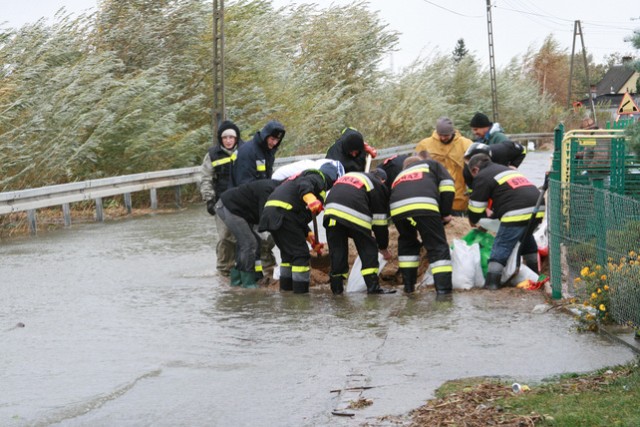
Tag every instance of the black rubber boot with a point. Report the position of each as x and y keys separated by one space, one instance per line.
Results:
x=442 y=283
x=300 y=287
x=492 y=281
x=409 y=278
x=286 y=284
x=337 y=286
x=531 y=261
x=373 y=286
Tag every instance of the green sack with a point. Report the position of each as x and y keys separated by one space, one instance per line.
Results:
x=485 y=241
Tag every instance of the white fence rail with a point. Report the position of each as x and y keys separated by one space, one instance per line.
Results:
x=97 y=189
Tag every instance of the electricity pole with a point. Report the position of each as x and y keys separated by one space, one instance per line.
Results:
x=577 y=30
x=492 y=65
x=218 y=109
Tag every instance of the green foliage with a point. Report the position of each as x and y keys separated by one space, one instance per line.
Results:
x=129 y=88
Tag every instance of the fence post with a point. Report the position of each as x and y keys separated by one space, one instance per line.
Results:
x=555 y=216
x=31 y=219
x=127 y=202
x=99 y=210
x=178 y=196
x=153 y=193
x=66 y=214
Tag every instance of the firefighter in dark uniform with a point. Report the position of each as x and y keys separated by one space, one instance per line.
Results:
x=240 y=209
x=286 y=216
x=351 y=150
x=357 y=205
x=254 y=160
x=215 y=176
x=507 y=153
x=421 y=201
x=514 y=199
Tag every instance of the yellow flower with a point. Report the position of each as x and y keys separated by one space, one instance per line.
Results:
x=603 y=277
x=577 y=279
x=632 y=254
x=594 y=295
x=602 y=307
x=584 y=272
x=599 y=290
x=598 y=268
x=592 y=274
x=606 y=287
x=586 y=303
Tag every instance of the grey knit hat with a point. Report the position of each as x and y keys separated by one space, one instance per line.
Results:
x=444 y=126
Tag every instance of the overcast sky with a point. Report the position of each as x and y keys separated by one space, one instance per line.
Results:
x=429 y=26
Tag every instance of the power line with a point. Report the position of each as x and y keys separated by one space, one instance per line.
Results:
x=452 y=11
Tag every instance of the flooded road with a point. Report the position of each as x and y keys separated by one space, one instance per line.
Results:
x=127 y=324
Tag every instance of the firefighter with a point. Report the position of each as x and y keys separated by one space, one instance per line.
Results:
x=351 y=150
x=215 y=176
x=254 y=160
x=421 y=202
x=240 y=209
x=357 y=205
x=508 y=153
x=514 y=199
x=286 y=216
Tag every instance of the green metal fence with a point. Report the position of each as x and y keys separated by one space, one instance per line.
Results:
x=594 y=222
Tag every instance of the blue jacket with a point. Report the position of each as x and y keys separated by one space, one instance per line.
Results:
x=254 y=160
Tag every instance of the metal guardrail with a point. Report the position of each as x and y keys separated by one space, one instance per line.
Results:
x=62 y=195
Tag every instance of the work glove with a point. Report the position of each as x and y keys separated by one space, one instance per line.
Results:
x=313 y=204
x=318 y=248
x=211 y=207
x=311 y=238
x=370 y=150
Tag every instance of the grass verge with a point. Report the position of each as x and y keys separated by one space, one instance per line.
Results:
x=607 y=397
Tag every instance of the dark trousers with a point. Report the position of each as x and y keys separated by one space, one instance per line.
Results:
x=338 y=239
x=434 y=240
x=291 y=239
x=248 y=241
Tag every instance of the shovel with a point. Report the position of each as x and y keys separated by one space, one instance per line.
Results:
x=321 y=261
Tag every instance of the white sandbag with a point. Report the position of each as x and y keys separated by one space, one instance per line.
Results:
x=525 y=273
x=540 y=234
x=490 y=225
x=355 y=282
x=427 y=279
x=513 y=263
x=465 y=263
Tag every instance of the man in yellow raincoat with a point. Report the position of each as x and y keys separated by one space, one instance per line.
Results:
x=447 y=147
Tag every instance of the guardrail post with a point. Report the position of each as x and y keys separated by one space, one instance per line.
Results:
x=127 y=202
x=154 y=198
x=178 y=194
x=66 y=214
x=31 y=219
x=99 y=210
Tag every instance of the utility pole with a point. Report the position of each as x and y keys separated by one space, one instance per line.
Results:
x=218 y=109
x=577 y=30
x=492 y=65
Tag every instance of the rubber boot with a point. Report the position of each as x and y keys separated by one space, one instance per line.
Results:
x=236 y=280
x=442 y=282
x=373 y=286
x=300 y=287
x=248 y=279
x=492 y=281
x=409 y=278
x=337 y=284
x=531 y=261
x=286 y=283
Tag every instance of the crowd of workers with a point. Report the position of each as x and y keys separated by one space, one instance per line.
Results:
x=447 y=175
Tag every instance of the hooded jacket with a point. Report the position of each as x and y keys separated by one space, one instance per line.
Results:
x=254 y=160
x=350 y=140
x=451 y=156
x=494 y=135
x=247 y=200
x=215 y=173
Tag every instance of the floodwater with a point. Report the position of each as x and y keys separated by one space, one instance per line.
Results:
x=127 y=324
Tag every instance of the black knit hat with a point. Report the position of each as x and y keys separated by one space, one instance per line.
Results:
x=480 y=120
